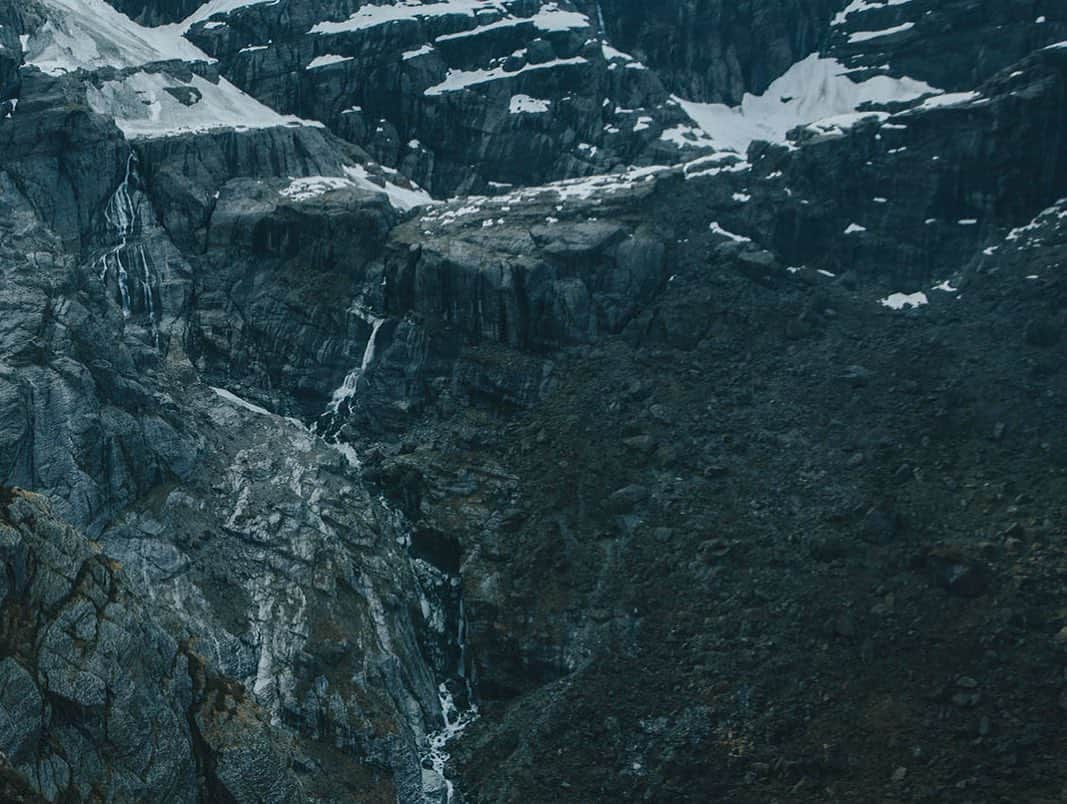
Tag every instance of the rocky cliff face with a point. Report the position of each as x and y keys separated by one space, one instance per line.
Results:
x=460 y=96
x=99 y=700
x=676 y=438
x=710 y=50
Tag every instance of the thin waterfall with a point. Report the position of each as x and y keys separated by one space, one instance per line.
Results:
x=347 y=389
x=340 y=403
x=131 y=265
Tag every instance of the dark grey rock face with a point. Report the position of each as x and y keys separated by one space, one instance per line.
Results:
x=716 y=50
x=953 y=45
x=545 y=446
x=96 y=696
x=157 y=12
x=512 y=93
x=119 y=263
x=709 y=50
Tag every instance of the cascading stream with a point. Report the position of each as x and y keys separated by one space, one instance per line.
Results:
x=456 y=722
x=340 y=405
x=455 y=719
x=120 y=214
x=434 y=606
x=131 y=263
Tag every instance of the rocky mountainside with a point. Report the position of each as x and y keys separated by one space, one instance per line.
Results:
x=518 y=401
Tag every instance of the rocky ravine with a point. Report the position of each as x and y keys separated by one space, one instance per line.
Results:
x=729 y=475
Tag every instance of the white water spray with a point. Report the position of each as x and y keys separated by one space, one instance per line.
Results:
x=455 y=723
x=347 y=389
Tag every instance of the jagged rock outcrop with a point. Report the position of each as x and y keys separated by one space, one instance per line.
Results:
x=97 y=700
x=928 y=40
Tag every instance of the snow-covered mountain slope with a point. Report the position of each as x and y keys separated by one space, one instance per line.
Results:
x=90 y=35
x=875 y=56
x=534 y=91
x=154 y=83
x=167 y=99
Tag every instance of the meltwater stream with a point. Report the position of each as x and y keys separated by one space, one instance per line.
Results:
x=330 y=422
x=455 y=723
x=435 y=605
x=120 y=215
x=130 y=263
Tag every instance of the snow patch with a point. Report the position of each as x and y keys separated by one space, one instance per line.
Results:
x=866 y=36
x=900 y=301
x=811 y=90
x=371 y=16
x=143 y=108
x=643 y=122
x=233 y=399
x=717 y=229
x=326 y=61
x=456 y=80
x=859 y=6
x=403 y=198
x=216 y=7
x=308 y=187
x=524 y=104
x=419 y=51
x=683 y=136
x=951 y=99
